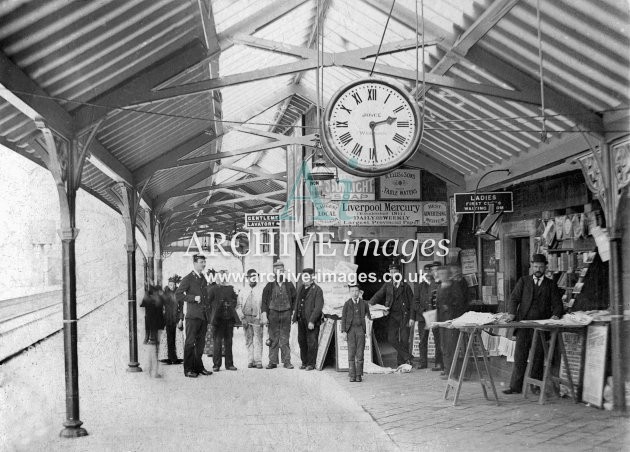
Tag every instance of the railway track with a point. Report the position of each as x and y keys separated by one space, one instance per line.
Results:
x=26 y=323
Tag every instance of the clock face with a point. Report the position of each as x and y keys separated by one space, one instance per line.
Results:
x=371 y=127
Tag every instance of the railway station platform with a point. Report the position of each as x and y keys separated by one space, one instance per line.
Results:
x=279 y=409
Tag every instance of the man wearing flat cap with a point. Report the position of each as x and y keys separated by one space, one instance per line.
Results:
x=249 y=309
x=308 y=315
x=278 y=303
x=398 y=297
x=534 y=297
x=193 y=291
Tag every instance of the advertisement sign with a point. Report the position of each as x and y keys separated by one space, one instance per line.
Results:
x=400 y=184
x=481 y=202
x=434 y=214
x=348 y=187
x=469 y=261
x=262 y=220
x=380 y=213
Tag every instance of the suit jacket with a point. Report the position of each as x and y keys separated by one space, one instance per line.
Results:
x=421 y=301
x=452 y=301
x=347 y=315
x=523 y=305
x=386 y=294
x=190 y=287
x=222 y=298
x=172 y=307
x=268 y=292
x=313 y=304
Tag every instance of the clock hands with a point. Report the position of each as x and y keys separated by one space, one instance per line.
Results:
x=390 y=120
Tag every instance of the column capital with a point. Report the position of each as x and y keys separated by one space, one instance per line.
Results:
x=68 y=233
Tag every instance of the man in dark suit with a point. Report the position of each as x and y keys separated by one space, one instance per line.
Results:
x=192 y=290
x=534 y=297
x=398 y=297
x=353 y=325
x=222 y=299
x=278 y=303
x=308 y=314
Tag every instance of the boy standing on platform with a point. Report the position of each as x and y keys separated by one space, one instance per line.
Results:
x=355 y=310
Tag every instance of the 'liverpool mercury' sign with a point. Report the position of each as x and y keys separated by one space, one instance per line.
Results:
x=481 y=202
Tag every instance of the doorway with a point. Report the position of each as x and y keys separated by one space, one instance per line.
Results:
x=372 y=261
x=521 y=247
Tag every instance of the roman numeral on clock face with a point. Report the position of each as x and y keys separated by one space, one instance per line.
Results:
x=345 y=138
x=387 y=98
x=389 y=151
x=371 y=93
x=343 y=107
x=341 y=124
x=373 y=154
x=402 y=123
x=357 y=149
x=357 y=98
x=399 y=139
x=398 y=109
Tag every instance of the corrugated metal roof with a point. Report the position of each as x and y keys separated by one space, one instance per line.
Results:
x=79 y=50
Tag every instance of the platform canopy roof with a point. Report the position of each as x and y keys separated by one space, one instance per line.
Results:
x=195 y=101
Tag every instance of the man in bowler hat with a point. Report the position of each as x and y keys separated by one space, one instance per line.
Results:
x=535 y=297
x=308 y=315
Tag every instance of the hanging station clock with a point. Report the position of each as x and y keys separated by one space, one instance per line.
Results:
x=370 y=127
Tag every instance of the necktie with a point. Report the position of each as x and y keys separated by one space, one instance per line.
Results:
x=537 y=281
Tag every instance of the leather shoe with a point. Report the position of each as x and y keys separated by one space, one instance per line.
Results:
x=353 y=379
x=510 y=391
x=231 y=368
x=250 y=366
x=359 y=378
x=288 y=366
x=444 y=376
x=205 y=372
x=309 y=368
x=271 y=366
x=259 y=366
x=436 y=369
x=216 y=369
x=302 y=367
x=191 y=374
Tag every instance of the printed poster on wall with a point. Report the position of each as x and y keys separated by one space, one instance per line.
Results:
x=382 y=213
x=595 y=364
x=400 y=184
x=469 y=261
x=347 y=187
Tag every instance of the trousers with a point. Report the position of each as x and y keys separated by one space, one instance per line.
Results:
x=308 y=340
x=171 y=331
x=153 y=365
x=253 y=341
x=398 y=337
x=356 y=349
x=437 y=345
x=194 y=344
x=223 y=334
x=448 y=344
x=521 y=354
x=279 y=332
x=423 y=345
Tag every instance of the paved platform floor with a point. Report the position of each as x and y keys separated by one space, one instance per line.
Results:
x=263 y=410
